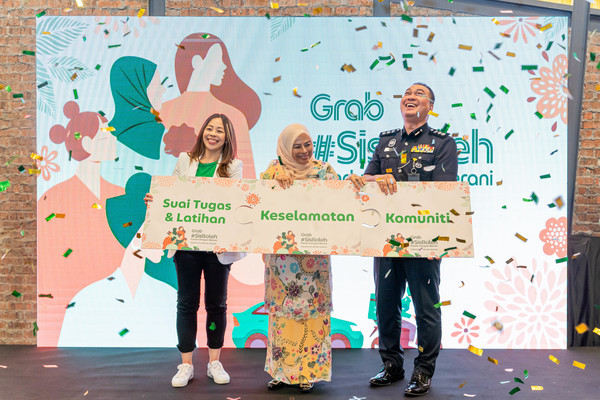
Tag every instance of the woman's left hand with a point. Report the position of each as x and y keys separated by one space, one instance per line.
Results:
x=284 y=181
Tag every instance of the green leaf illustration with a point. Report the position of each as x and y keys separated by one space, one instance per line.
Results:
x=65 y=68
x=280 y=25
x=63 y=32
x=45 y=94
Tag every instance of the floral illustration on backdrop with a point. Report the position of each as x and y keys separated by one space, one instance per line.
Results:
x=46 y=165
x=465 y=330
x=552 y=87
x=519 y=27
x=531 y=303
x=104 y=25
x=554 y=237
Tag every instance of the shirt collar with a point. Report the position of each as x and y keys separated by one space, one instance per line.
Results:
x=422 y=129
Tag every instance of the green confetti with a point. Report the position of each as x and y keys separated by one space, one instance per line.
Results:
x=450 y=248
x=4 y=185
x=489 y=108
x=515 y=390
x=546 y=176
x=452 y=71
x=137 y=167
x=489 y=91
x=438 y=305
x=504 y=89
x=22 y=233
x=8 y=89
x=534 y=197
x=477 y=69
x=70 y=153
x=75 y=94
x=504 y=207
x=442 y=255
x=526 y=374
x=77 y=135
x=539 y=115
x=457 y=105
x=18 y=96
x=101 y=112
x=269 y=15
x=305 y=49
x=469 y=315
x=406 y=18
x=123 y=332
x=70 y=305
x=508 y=134
x=29 y=53
x=518 y=380
x=374 y=64
x=46 y=295
x=549 y=45
x=280 y=162
x=562 y=260
x=69 y=251
x=307 y=15
x=593 y=56
x=528 y=67
x=490 y=259
x=473 y=116
x=43 y=84
x=112 y=46
x=394 y=243
x=212 y=326
x=16 y=294
x=98 y=66
x=405 y=64
x=435 y=239
x=35 y=328
x=407 y=55
x=205 y=36
x=551 y=205
x=446 y=127
x=487 y=119
x=393 y=60
x=41 y=14
x=49 y=217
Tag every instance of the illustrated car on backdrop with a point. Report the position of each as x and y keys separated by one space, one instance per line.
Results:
x=251 y=327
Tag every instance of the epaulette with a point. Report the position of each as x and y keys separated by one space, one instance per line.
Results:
x=438 y=133
x=389 y=133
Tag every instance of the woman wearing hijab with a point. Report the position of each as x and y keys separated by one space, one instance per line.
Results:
x=297 y=287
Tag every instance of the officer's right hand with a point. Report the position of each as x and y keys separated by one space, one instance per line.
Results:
x=387 y=183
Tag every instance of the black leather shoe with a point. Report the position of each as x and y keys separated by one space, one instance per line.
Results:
x=275 y=384
x=387 y=375
x=306 y=387
x=419 y=384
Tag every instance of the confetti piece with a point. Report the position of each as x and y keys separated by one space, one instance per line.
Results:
x=120 y=300
x=521 y=237
x=52 y=365
x=112 y=46
x=46 y=295
x=71 y=305
x=295 y=91
x=581 y=328
x=137 y=254
x=29 y=53
x=546 y=27
x=69 y=251
x=508 y=134
x=596 y=331
x=561 y=260
x=360 y=28
x=475 y=350
x=528 y=67
x=478 y=69
x=489 y=91
x=578 y=364
x=465 y=47
x=220 y=11
x=141 y=12
x=537 y=387
x=554 y=359
x=277 y=79
x=490 y=259
x=406 y=18
x=443 y=303
x=515 y=390
x=41 y=14
x=452 y=71
x=34 y=171
x=139 y=168
x=16 y=294
x=35 y=328
x=492 y=360
x=468 y=314
x=546 y=176
x=41 y=85
x=123 y=332
x=498 y=325
x=539 y=115
x=348 y=68
x=462 y=384
x=212 y=326
x=559 y=202
x=433 y=114
x=525 y=374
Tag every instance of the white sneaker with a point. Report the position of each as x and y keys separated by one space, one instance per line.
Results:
x=183 y=376
x=215 y=371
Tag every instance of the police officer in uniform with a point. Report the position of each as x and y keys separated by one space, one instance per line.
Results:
x=413 y=153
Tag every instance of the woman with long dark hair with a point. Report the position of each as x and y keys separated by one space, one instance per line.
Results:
x=213 y=155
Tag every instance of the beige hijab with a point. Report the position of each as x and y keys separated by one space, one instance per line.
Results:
x=285 y=143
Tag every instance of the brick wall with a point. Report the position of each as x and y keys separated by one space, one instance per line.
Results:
x=17 y=129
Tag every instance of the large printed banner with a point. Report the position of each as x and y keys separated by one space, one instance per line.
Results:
x=119 y=99
x=311 y=217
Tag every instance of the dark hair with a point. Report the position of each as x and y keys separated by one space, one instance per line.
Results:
x=428 y=88
x=229 y=151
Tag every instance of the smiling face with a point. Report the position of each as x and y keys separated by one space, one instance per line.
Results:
x=213 y=136
x=302 y=150
x=416 y=104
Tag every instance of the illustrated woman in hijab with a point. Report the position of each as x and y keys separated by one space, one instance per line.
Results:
x=137 y=91
x=208 y=85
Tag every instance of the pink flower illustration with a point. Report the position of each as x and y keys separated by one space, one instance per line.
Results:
x=555 y=237
x=46 y=165
x=552 y=87
x=104 y=25
x=531 y=303
x=519 y=27
x=465 y=330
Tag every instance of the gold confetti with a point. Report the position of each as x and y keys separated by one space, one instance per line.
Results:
x=462 y=384
x=348 y=68
x=465 y=47
x=510 y=54
x=523 y=238
x=506 y=35
x=277 y=79
x=475 y=350
x=45 y=33
x=494 y=20
x=317 y=11
x=492 y=360
x=96 y=205
x=578 y=364
x=274 y=6
x=35 y=171
x=108 y=129
x=559 y=202
x=443 y=238
x=537 y=387
x=79 y=3
x=581 y=328
x=433 y=114
x=554 y=359
x=127 y=224
x=378 y=93
x=36 y=157
x=498 y=183
x=277 y=59
x=217 y=10
x=545 y=27
x=423 y=212
x=141 y=12
x=296 y=92
x=597 y=87
x=498 y=325
x=59 y=216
